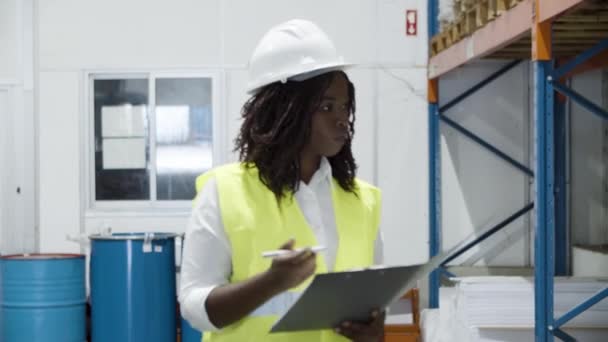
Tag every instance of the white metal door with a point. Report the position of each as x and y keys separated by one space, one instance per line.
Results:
x=4 y=170
x=17 y=214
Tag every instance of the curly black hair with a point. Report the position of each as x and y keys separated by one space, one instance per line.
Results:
x=277 y=125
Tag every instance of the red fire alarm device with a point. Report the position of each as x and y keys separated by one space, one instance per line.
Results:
x=411 y=22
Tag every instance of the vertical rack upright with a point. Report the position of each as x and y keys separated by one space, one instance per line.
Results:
x=540 y=31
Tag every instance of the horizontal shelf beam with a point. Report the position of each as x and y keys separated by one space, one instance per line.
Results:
x=556 y=49
x=578 y=18
x=580 y=34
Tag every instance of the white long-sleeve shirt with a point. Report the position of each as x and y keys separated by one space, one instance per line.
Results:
x=207 y=255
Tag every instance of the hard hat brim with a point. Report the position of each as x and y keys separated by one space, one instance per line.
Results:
x=308 y=74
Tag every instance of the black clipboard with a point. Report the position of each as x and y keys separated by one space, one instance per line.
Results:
x=333 y=298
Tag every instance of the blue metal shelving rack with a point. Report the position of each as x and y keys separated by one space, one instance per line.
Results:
x=551 y=244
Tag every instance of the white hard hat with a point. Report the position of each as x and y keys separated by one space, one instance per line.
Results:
x=297 y=50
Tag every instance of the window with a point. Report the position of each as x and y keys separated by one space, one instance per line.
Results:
x=153 y=134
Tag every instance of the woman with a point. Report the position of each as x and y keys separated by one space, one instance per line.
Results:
x=294 y=188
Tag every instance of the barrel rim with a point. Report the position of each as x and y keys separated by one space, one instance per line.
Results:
x=134 y=236
x=41 y=256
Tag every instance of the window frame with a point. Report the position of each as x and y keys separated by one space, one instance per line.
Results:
x=153 y=206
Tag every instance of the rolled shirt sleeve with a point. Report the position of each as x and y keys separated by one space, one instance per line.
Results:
x=206 y=260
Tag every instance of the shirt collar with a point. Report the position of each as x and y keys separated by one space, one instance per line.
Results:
x=322 y=174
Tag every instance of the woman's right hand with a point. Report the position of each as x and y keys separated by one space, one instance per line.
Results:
x=290 y=270
x=231 y=302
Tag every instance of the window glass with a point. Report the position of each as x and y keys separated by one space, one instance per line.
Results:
x=121 y=144
x=184 y=135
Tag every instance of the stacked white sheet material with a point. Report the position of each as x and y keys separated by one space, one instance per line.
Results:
x=502 y=309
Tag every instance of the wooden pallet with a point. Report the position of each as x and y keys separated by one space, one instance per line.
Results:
x=451 y=34
x=441 y=42
x=471 y=15
x=436 y=45
x=482 y=15
x=490 y=8
x=464 y=5
x=456 y=32
x=497 y=7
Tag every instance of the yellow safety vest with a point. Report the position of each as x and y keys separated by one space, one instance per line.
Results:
x=254 y=222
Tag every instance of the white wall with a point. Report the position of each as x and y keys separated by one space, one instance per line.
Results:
x=403 y=163
x=480 y=190
x=59 y=165
x=588 y=167
x=17 y=153
x=76 y=37
x=9 y=36
x=4 y=186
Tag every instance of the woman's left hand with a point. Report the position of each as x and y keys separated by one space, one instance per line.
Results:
x=373 y=331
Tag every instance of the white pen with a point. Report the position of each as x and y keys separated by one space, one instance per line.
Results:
x=272 y=254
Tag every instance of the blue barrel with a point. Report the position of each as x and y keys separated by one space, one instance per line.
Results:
x=133 y=287
x=189 y=333
x=42 y=298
